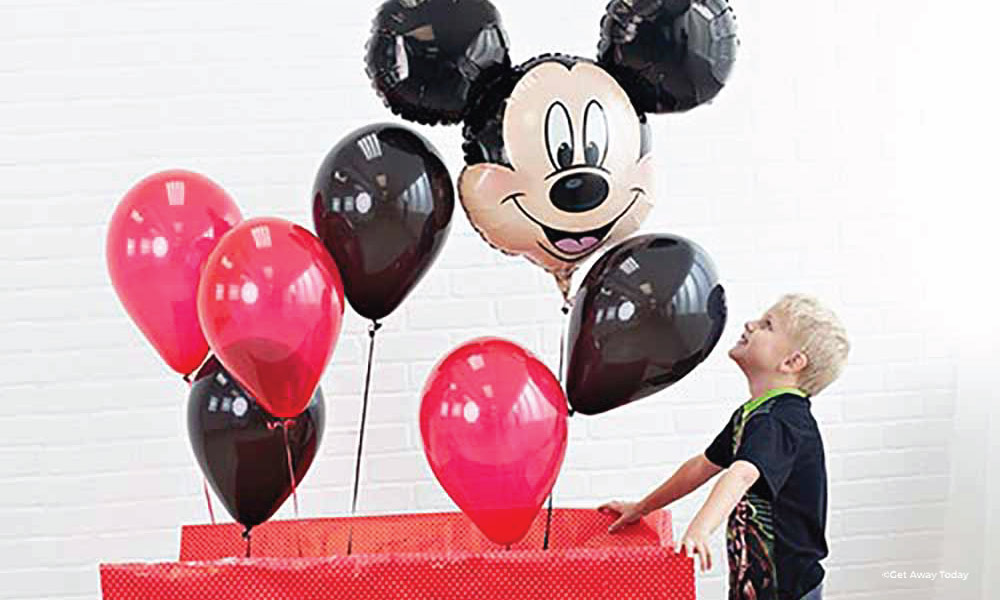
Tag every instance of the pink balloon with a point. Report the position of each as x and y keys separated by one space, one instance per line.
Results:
x=271 y=303
x=493 y=421
x=158 y=240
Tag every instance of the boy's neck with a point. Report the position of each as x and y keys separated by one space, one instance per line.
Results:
x=762 y=385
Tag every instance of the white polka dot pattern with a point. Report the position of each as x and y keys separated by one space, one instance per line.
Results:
x=583 y=562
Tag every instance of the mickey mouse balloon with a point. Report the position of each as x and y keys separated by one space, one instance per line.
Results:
x=558 y=148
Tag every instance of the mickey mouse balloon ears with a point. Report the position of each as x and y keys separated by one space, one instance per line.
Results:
x=670 y=55
x=430 y=59
x=557 y=147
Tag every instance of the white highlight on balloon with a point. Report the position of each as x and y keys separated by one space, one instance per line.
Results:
x=249 y=292
x=240 y=407
x=470 y=412
x=175 y=193
x=160 y=246
x=363 y=203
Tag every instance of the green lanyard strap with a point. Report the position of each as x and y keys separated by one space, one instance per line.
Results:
x=756 y=403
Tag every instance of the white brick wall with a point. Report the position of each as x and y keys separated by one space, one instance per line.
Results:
x=804 y=175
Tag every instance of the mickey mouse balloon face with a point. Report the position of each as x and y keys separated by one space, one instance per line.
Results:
x=557 y=148
x=577 y=176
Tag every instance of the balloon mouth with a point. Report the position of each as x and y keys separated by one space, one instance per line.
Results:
x=576 y=242
x=577 y=245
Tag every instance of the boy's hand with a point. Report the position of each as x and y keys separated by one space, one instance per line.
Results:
x=695 y=541
x=629 y=513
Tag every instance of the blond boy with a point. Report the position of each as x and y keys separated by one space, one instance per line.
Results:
x=773 y=487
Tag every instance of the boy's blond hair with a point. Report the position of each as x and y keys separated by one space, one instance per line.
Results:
x=821 y=337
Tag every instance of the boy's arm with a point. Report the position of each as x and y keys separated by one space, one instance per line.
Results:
x=689 y=477
x=726 y=494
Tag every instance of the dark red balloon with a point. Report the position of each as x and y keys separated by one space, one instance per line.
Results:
x=493 y=422
x=649 y=311
x=271 y=304
x=240 y=448
x=382 y=205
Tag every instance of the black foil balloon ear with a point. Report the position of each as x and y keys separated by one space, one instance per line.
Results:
x=430 y=59
x=382 y=206
x=648 y=312
x=241 y=448
x=669 y=55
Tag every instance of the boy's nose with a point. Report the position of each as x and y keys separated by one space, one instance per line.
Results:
x=749 y=325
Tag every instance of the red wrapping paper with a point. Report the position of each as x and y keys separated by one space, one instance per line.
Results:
x=439 y=556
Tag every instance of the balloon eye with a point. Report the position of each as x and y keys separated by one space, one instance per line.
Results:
x=559 y=136
x=565 y=155
x=595 y=134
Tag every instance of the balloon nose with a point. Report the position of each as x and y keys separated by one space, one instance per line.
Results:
x=579 y=192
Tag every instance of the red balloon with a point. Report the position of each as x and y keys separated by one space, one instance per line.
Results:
x=493 y=421
x=271 y=303
x=159 y=237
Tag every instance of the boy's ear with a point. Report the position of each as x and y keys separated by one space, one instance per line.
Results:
x=430 y=60
x=669 y=55
x=796 y=363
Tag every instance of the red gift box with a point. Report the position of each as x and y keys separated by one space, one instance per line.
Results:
x=439 y=556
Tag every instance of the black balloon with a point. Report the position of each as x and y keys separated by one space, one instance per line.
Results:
x=382 y=205
x=648 y=312
x=670 y=55
x=241 y=448
x=457 y=45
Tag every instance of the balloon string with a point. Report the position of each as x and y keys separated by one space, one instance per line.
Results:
x=246 y=536
x=291 y=470
x=375 y=326
x=204 y=482
x=562 y=360
x=566 y=307
x=208 y=500
x=548 y=523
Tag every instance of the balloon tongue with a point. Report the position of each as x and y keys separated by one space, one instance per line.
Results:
x=572 y=246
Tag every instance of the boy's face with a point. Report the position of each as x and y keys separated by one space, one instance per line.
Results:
x=765 y=346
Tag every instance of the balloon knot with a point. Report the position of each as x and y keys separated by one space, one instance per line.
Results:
x=375 y=326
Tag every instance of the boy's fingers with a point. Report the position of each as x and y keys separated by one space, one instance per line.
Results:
x=616 y=525
x=689 y=548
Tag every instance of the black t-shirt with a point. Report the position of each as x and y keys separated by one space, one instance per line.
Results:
x=775 y=538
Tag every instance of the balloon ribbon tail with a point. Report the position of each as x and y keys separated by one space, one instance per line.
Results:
x=375 y=326
x=291 y=470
